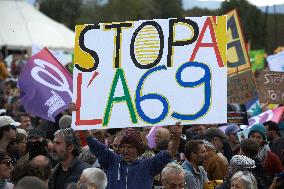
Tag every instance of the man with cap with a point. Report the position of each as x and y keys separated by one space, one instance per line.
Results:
x=7 y=131
x=220 y=142
x=127 y=170
x=231 y=132
x=271 y=162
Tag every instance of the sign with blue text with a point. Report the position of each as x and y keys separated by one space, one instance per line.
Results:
x=150 y=72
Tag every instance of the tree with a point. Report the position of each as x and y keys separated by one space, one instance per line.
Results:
x=62 y=11
x=252 y=21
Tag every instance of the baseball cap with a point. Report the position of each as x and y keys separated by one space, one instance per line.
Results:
x=232 y=128
x=7 y=120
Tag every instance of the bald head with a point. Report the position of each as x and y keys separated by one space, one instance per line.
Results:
x=43 y=165
x=40 y=161
x=162 y=134
x=29 y=182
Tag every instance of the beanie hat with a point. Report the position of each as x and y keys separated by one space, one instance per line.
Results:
x=132 y=136
x=241 y=163
x=258 y=128
x=65 y=122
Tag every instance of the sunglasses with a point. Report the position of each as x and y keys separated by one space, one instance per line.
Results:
x=13 y=127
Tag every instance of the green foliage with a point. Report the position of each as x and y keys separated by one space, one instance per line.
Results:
x=252 y=21
x=74 y=12
x=63 y=11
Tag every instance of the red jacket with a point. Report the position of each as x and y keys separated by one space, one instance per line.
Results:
x=272 y=164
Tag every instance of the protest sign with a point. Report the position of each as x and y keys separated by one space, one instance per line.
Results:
x=237 y=58
x=45 y=86
x=153 y=72
x=270 y=115
x=270 y=87
x=241 y=88
x=276 y=62
x=257 y=59
x=237 y=114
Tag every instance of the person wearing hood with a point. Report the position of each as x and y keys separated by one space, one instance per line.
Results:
x=127 y=170
x=270 y=161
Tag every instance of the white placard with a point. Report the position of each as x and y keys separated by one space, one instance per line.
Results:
x=156 y=72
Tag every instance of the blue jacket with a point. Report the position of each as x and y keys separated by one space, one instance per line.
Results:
x=120 y=175
x=194 y=179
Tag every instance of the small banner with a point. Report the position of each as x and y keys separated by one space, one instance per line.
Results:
x=241 y=88
x=257 y=59
x=45 y=86
x=237 y=114
x=270 y=87
x=237 y=56
x=150 y=72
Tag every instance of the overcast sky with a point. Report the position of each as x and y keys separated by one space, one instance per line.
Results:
x=213 y=4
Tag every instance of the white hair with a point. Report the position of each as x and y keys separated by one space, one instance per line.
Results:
x=95 y=176
x=247 y=177
x=173 y=168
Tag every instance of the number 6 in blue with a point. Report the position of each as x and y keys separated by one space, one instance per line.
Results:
x=139 y=98
x=206 y=80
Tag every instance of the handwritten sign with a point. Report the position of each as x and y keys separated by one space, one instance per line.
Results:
x=241 y=88
x=271 y=87
x=150 y=72
x=238 y=59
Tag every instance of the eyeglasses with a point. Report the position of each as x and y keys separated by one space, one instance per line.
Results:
x=174 y=186
x=6 y=162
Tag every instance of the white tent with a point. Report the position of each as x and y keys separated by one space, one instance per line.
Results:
x=22 y=25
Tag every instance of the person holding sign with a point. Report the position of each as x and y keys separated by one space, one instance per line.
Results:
x=126 y=170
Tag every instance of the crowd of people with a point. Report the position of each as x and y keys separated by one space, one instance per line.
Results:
x=35 y=153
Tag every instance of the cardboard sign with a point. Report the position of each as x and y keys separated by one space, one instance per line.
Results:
x=241 y=88
x=154 y=72
x=237 y=114
x=270 y=87
x=237 y=60
x=257 y=59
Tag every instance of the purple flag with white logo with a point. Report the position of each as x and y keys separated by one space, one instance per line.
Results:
x=45 y=86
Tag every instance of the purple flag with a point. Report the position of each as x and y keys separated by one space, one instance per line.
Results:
x=45 y=86
x=151 y=136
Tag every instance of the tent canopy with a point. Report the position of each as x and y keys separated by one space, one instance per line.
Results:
x=22 y=25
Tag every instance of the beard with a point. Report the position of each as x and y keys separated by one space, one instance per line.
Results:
x=58 y=156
